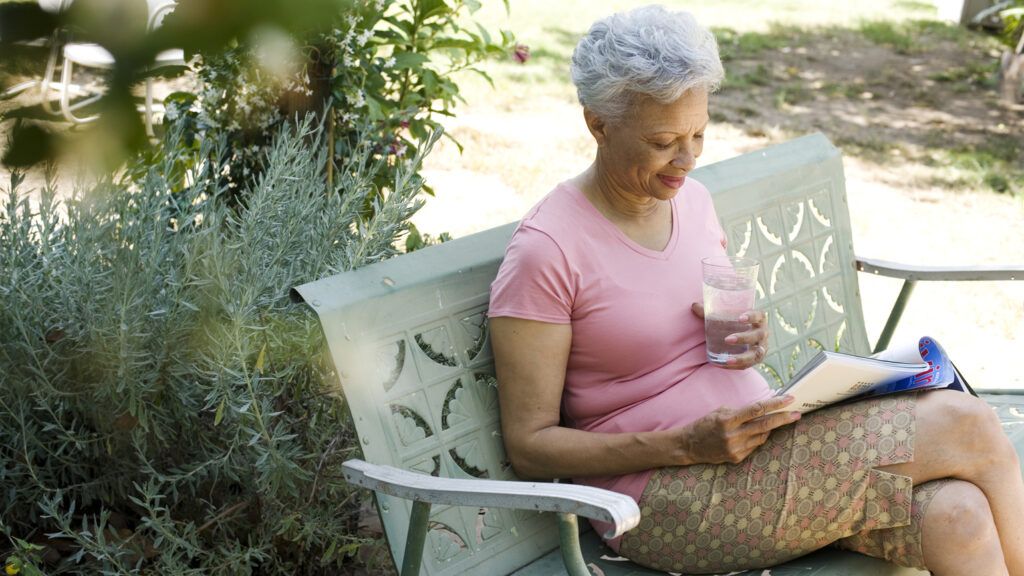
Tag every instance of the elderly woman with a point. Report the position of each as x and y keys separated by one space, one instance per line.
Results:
x=599 y=346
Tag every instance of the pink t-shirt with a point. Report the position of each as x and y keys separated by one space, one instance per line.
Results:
x=637 y=360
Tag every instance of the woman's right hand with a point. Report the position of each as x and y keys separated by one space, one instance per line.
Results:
x=729 y=435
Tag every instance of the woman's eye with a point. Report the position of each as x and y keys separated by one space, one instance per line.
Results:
x=661 y=146
x=698 y=136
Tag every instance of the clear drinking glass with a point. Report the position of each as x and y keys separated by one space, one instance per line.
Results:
x=729 y=291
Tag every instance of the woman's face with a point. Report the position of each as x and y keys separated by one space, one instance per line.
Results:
x=651 y=150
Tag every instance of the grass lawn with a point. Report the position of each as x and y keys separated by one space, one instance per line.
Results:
x=934 y=163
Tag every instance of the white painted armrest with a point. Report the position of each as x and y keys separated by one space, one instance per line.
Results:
x=948 y=273
x=617 y=509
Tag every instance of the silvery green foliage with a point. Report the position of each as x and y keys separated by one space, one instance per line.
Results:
x=164 y=406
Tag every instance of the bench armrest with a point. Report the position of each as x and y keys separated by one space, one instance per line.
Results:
x=617 y=509
x=914 y=273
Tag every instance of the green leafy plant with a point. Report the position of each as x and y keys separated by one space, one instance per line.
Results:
x=166 y=406
x=1011 y=67
x=1013 y=20
x=24 y=560
x=417 y=240
x=387 y=64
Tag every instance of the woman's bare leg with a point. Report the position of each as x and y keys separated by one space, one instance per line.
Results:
x=959 y=436
x=959 y=534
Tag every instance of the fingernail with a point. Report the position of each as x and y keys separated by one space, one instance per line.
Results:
x=744 y=317
x=795 y=415
x=731 y=339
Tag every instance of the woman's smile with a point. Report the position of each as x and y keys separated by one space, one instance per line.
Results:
x=674 y=182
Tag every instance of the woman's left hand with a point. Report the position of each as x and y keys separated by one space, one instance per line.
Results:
x=756 y=338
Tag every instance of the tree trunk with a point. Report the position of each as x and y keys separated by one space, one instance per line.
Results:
x=1011 y=72
x=320 y=68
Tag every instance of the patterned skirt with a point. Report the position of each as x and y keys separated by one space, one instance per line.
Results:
x=812 y=484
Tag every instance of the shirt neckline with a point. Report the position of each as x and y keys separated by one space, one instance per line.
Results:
x=608 y=225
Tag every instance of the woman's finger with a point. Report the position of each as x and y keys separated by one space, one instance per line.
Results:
x=742 y=361
x=769 y=422
x=756 y=441
x=757 y=336
x=755 y=318
x=752 y=357
x=761 y=408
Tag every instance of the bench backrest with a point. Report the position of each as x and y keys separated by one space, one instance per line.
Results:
x=408 y=337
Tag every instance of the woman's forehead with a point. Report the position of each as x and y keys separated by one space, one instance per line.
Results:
x=685 y=114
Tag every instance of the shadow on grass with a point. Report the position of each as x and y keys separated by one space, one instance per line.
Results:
x=891 y=92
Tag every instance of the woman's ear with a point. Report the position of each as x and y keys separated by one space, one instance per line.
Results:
x=596 y=125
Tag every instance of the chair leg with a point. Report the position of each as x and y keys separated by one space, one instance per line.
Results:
x=147 y=114
x=895 y=315
x=569 y=541
x=66 y=107
x=51 y=66
x=65 y=79
x=20 y=87
x=419 y=523
x=43 y=83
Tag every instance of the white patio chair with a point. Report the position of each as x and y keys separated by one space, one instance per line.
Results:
x=92 y=55
x=45 y=83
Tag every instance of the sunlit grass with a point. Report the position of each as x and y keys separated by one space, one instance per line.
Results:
x=979 y=74
x=996 y=165
x=912 y=36
x=889 y=34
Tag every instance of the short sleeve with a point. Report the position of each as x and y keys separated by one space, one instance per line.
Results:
x=718 y=229
x=534 y=281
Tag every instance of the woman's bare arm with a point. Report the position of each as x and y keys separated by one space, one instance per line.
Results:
x=530 y=360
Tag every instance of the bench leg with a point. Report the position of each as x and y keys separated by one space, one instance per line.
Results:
x=569 y=539
x=895 y=315
x=418 y=522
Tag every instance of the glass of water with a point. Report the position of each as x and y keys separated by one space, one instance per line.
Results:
x=729 y=290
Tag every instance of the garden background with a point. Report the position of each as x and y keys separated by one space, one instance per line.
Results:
x=163 y=402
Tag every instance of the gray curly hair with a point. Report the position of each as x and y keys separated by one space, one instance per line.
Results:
x=649 y=51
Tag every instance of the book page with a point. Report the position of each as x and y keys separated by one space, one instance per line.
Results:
x=840 y=376
x=832 y=377
x=905 y=351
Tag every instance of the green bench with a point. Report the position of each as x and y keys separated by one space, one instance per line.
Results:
x=409 y=339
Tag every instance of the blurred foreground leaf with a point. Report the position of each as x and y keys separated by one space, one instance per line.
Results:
x=120 y=27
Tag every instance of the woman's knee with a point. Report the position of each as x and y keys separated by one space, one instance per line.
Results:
x=960 y=515
x=970 y=424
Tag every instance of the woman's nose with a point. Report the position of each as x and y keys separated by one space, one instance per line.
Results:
x=685 y=160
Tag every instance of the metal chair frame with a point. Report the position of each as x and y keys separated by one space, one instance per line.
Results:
x=158 y=9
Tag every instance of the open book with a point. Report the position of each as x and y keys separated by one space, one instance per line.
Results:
x=832 y=377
